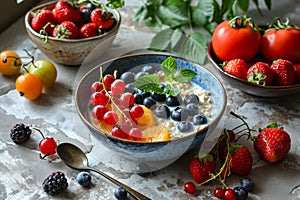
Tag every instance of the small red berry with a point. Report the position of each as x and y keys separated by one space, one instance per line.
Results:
x=110 y=118
x=99 y=98
x=47 y=146
x=118 y=131
x=99 y=111
x=97 y=87
x=117 y=87
x=108 y=80
x=189 y=187
x=127 y=99
x=229 y=194
x=135 y=134
x=136 y=111
x=219 y=192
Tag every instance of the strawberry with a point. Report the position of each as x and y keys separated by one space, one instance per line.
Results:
x=102 y=18
x=297 y=72
x=42 y=18
x=241 y=161
x=88 y=30
x=272 y=143
x=260 y=73
x=67 y=30
x=201 y=168
x=284 y=73
x=63 y=11
x=237 y=67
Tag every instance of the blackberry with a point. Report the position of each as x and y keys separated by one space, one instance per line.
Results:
x=55 y=183
x=20 y=133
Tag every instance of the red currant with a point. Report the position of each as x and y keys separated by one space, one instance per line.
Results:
x=97 y=87
x=99 y=98
x=219 y=192
x=189 y=187
x=110 y=118
x=229 y=194
x=99 y=111
x=117 y=131
x=108 y=80
x=135 y=134
x=117 y=87
x=136 y=111
x=127 y=99
x=47 y=146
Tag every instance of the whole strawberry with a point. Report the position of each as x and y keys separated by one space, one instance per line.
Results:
x=88 y=30
x=201 y=168
x=284 y=73
x=260 y=73
x=63 y=11
x=43 y=19
x=67 y=30
x=241 y=161
x=102 y=18
x=237 y=67
x=272 y=143
x=297 y=72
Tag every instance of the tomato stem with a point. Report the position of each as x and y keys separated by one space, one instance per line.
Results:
x=242 y=22
x=278 y=25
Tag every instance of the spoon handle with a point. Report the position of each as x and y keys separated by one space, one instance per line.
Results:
x=133 y=192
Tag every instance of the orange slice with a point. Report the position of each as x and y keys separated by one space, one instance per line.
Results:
x=147 y=119
x=156 y=134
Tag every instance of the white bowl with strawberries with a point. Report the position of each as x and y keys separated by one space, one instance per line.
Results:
x=259 y=60
x=67 y=33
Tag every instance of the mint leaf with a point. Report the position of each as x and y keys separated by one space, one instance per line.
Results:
x=169 y=67
x=171 y=90
x=184 y=76
x=148 y=83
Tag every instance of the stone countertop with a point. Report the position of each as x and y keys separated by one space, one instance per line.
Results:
x=22 y=171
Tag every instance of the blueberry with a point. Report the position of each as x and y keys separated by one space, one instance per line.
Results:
x=90 y=6
x=149 y=102
x=84 y=179
x=146 y=94
x=149 y=69
x=143 y=169
x=184 y=126
x=138 y=98
x=130 y=88
x=199 y=119
x=191 y=98
x=86 y=15
x=240 y=193
x=192 y=108
x=127 y=77
x=158 y=97
x=120 y=193
x=248 y=184
x=139 y=74
x=173 y=101
x=179 y=114
x=162 y=111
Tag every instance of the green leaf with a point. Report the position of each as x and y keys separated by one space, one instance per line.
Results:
x=169 y=67
x=184 y=76
x=115 y=3
x=172 y=91
x=161 y=41
x=203 y=12
x=148 y=83
x=243 y=4
x=268 y=4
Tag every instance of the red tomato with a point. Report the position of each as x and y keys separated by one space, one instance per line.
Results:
x=235 y=39
x=281 y=44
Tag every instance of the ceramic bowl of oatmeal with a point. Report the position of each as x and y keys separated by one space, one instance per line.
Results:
x=150 y=107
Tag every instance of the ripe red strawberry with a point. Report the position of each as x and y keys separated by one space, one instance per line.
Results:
x=241 y=161
x=67 y=30
x=102 y=18
x=88 y=30
x=42 y=18
x=260 y=73
x=272 y=144
x=201 y=168
x=284 y=73
x=297 y=72
x=63 y=11
x=237 y=67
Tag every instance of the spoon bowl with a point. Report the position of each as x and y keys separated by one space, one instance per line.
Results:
x=75 y=158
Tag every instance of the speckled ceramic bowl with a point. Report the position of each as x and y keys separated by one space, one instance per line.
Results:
x=70 y=51
x=251 y=88
x=151 y=151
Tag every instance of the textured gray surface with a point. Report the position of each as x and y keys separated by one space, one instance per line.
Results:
x=22 y=171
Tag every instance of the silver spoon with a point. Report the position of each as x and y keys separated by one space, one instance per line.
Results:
x=72 y=156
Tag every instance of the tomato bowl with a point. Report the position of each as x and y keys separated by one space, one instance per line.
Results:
x=70 y=51
x=154 y=153
x=248 y=87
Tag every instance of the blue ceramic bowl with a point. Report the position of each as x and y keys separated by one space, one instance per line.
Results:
x=151 y=151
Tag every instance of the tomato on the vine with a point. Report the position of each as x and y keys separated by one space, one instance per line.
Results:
x=10 y=63
x=29 y=86
x=236 y=38
x=281 y=41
